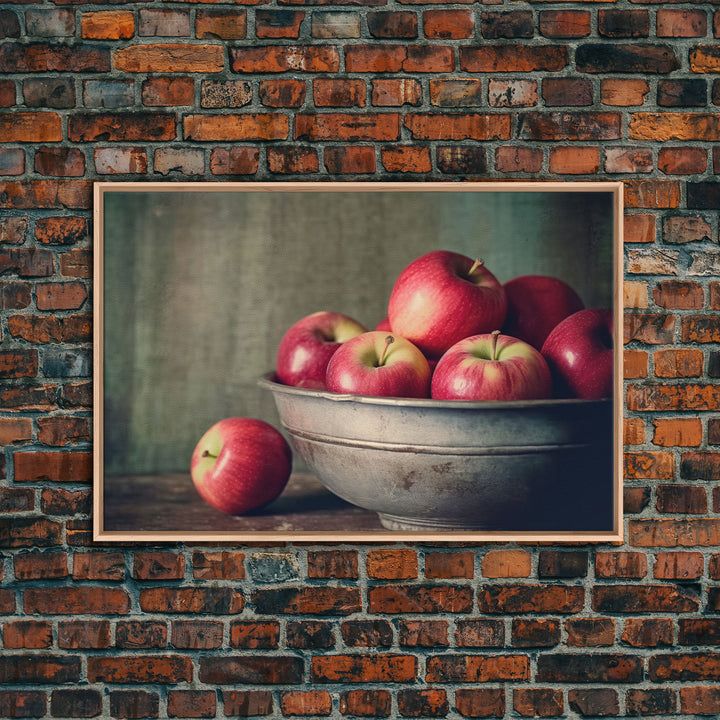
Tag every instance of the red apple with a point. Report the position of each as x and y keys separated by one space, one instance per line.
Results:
x=240 y=464
x=441 y=298
x=579 y=351
x=536 y=304
x=491 y=366
x=306 y=348
x=381 y=364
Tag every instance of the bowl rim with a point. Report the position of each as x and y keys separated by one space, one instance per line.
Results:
x=269 y=382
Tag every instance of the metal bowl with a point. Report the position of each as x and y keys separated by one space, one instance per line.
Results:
x=539 y=465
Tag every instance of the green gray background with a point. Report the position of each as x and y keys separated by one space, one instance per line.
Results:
x=200 y=286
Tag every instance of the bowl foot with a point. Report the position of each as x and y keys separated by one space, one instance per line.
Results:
x=395 y=522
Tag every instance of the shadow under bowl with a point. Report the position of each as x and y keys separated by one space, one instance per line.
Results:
x=422 y=464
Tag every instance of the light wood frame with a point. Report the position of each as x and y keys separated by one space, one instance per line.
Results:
x=100 y=533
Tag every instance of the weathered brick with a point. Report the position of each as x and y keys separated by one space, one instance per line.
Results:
x=652 y=701
x=76 y=600
x=30 y=127
x=292 y=159
x=623 y=92
x=135 y=634
x=624 y=23
x=406 y=159
x=684 y=666
x=398 y=24
x=590 y=632
x=234 y=161
x=538 y=702
x=282 y=93
x=282 y=58
x=663 y=126
x=506 y=563
x=648 y=632
x=635 y=364
x=179 y=160
x=169 y=57
x=423 y=633
x=53 y=57
x=530 y=598
x=350 y=160
x=564 y=23
x=61 y=296
x=30 y=634
x=307 y=634
x=480 y=702
x=628 y=160
x=644 y=598
x=419 y=599
x=533 y=633
x=306 y=702
x=163 y=22
x=39 y=669
x=59 y=431
x=108 y=93
x=229 y=128
x=255 y=635
x=237 y=669
x=705 y=59
x=191 y=703
x=678 y=363
x=479 y=633
x=331 y=92
x=682 y=160
x=134 y=704
x=589 y=668
x=247 y=702
x=518 y=159
x=678 y=565
x=431 y=702
x=335 y=24
x=392 y=564
x=209 y=600
x=448 y=24
x=456 y=668
x=12 y=161
x=681 y=23
x=514 y=24
x=168 y=91
x=575 y=160
x=61 y=229
x=225 y=93
x=620 y=565
x=571 y=125
x=513 y=57
x=445 y=565
x=674 y=532
x=627 y=58
x=13 y=231
x=700 y=465
x=75 y=466
x=145 y=669
x=396 y=92
x=573 y=92
x=347 y=127
x=700 y=700
x=671 y=432
x=23 y=703
x=121 y=127
x=108 y=25
x=682 y=93
x=333 y=564
x=594 y=702
x=196 y=634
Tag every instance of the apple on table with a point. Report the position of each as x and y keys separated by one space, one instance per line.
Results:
x=442 y=297
x=491 y=366
x=536 y=304
x=379 y=364
x=240 y=464
x=579 y=351
x=307 y=346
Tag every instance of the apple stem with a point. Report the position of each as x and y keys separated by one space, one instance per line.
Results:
x=207 y=453
x=389 y=340
x=495 y=334
x=478 y=262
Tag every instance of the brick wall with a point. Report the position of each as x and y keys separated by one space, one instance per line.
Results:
x=372 y=90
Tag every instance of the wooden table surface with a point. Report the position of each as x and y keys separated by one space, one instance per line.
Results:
x=170 y=503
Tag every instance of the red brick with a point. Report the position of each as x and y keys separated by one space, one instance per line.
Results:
x=671 y=432
x=681 y=23
x=531 y=633
x=392 y=25
x=590 y=632
x=392 y=564
x=678 y=565
x=39 y=669
x=699 y=328
x=652 y=194
x=643 y=598
x=446 y=565
x=208 y=600
x=13 y=230
x=455 y=668
x=564 y=23
x=196 y=634
x=406 y=159
x=679 y=295
x=134 y=704
x=46 y=194
x=628 y=160
x=145 y=669
x=314 y=600
x=366 y=703
x=191 y=703
x=639 y=228
x=254 y=635
x=306 y=702
x=367 y=633
x=686 y=532
x=653 y=701
x=218 y=565
x=506 y=563
x=648 y=632
x=700 y=465
x=134 y=634
x=347 y=127
x=395 y=92
x=479 y=633
x=518 y=159
x=7 y=93
x=651 y=328
x=235 y=161
x=341 y=564
x=282 y=58
x=570 y=125
x=58 y=501
x=633 y=431
x=108 y=25
x=158 y=566
x=120 y=160
x=589 y=668
x=229 y=128
x=169 y=57
x=30 y=634
x=41 y=565
x=121 y=127
x=538 y=702
x=513 y=57
x=419 y=599
x=430 y=702
x=61 y=230
x=703 y=700
x=61 y=296
x=53 y=466
x=661 y=127
x=448 y=24
x=684 y=666
x=530 y=598
x=398 y=58
x=649 y=465
x=59 y=431
x=223 y=24
x=480 y=702
x=23 y=703
x=620 y=565
x=247 y=702
x=682 y=160
x=16 y=500
x=635 y=364
x=471 y=126
x=575 y=161
x=423 y=633
x=350 y=160
x=76 y=601
x=168 y=91
x=278 y=23
x=59 y=162
x=511 y=93
x=18 y=363
x=309 y=634
x=623 y=92
x=282 y=93
x=339 y=92
x=380 y=668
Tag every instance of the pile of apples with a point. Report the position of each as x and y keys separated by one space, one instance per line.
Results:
x=454 y=332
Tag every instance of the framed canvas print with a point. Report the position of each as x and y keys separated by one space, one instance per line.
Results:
x=490 y=311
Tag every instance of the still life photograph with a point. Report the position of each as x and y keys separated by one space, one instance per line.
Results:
x=358 y=361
